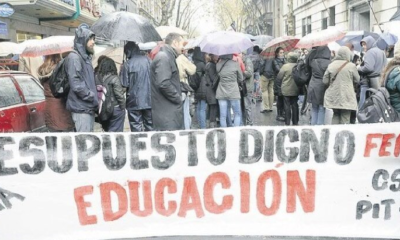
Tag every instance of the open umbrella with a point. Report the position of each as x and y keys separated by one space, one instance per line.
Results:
x=165 y=30
x=125 y=26
x=224 y=42
x=262 y=40
x=7 y=48
x=47 y=46
x=287 y=43
x=355 y=37
x=195 y=42
x=147 y=46
x=321 y=38
x=389 y=38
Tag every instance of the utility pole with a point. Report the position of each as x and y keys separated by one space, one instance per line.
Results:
x=290 y=19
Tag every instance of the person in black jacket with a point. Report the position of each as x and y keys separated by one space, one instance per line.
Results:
x=135 y=76
x=211 y=78
x=107 y=74
x=82 y=99
x=199 y=59
x=278 y=62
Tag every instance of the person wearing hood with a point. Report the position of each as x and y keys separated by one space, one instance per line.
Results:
x=341 y=77
x=82 y=99
x=321 y=58
x=56 y=115
x=391 y=79
x=228 y=94
x=374 y=63
x=186 y=69
x=278 y=62
x=135 y=77
x=289 y=89
x=199 y=59
x=211 y=78
x=166 y=94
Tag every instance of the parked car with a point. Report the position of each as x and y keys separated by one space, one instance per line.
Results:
x=22 y=103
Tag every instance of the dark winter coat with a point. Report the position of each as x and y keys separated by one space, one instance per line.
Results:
x=200 y=62
x=374 y=61
x=210 y=77
x=248 y=75
x=276 y=66
x=267 y=69
x=117 y=91
x=318 y=63
x=257 y=61
x=136 y=78
x=393 y=87
x=166 y=95
x=82 y=96
x=286 y=85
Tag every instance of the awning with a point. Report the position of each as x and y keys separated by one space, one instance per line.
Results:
x=396 y=16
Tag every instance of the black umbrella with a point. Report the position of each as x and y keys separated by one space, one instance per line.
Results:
x=125 y=26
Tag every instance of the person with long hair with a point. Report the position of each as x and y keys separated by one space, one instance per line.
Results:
x=107 y=75
x=278 y=62
x=57 y=117
x=391 y=79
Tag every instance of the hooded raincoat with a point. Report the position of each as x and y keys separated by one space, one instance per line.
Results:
x=136 y=78
x=319 y=63
x=166 y=94
x=82 y=96
x=341 y=92
x=374 y=61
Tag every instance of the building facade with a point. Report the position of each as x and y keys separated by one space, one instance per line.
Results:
x=264 y=18
x=349 y=15
x=36 y=19
x=150 y=9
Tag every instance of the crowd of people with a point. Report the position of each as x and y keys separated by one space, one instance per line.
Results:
x=159 y=91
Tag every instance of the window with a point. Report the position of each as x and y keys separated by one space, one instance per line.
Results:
x=31 y=90
x=332 y=15
x=8 y=93
x=306 y=26
x=324 y=22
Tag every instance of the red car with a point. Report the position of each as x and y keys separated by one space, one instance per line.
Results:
x=22 y=103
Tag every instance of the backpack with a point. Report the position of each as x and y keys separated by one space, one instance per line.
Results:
x=58 y=82
x=301 y=74
x=377 y=108
x=194 y=81
x=106 y=107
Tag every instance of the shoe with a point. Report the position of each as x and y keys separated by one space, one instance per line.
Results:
x=280 y=119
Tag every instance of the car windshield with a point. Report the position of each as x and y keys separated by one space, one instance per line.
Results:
x=30 y=87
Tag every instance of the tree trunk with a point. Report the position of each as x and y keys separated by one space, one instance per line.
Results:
x=167 y=7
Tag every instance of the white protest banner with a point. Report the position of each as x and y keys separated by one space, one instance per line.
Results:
x=340 y=181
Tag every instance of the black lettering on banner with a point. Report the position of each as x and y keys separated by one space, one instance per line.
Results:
x=39 y=159
x=210 y=144
x=84 y=153
x=269 y=146
x=375 y=211
x=381 y=173
x=280 y=145
x=244 y=146
x=339 y=147
x=5 y=197
x=388 y=209
x=170 y=152
x=319 y=148
x=395 y=178
x=120 y=160
x=362 y=207
x=136 y=147
x=192 y=146
x=6 y=155
x=66 y=146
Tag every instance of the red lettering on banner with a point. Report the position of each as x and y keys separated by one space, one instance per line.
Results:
x=245 y=192
x=159 y=197
x=105 y=191
x=209 y=201
x=134 y=199
x=79 y=195
x=276 y=196
x=369 y=145
x=296 y=187
x=190 y=198
x=385 y=144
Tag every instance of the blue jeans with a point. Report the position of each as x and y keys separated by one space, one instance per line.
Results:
x=363 y=95
x=201 y=113
x=186 y=113
x=224 y=111
x=317 y=115
x=84 y=122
